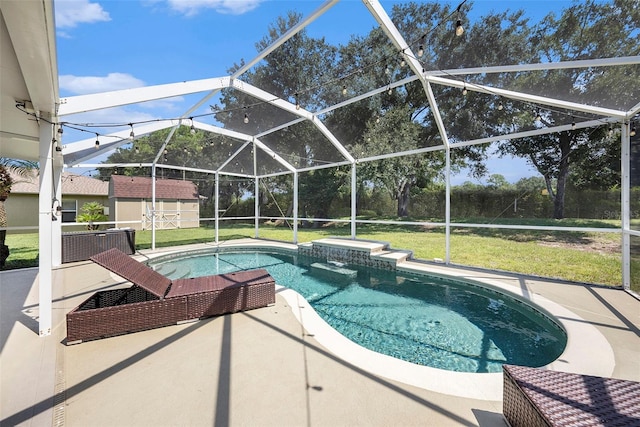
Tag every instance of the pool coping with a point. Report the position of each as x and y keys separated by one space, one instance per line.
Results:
x=582 y=338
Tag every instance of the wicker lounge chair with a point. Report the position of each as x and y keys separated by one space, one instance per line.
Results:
x=537 y=397
x=155 y=300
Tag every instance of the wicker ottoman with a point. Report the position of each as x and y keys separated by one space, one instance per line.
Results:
x=538 y=397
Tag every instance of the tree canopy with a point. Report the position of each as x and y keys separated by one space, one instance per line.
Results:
x=310 y=72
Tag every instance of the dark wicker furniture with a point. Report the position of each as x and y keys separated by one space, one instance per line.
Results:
x=155 y=301
x=81 y=245
x=537 y=397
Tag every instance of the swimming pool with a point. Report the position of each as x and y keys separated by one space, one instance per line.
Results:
x=429 y=321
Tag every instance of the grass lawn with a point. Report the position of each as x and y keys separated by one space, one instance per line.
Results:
x=582 y=257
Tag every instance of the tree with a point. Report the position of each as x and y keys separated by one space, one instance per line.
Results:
x=403 y=116
x=498 y=182
x=585 y=30
x=296 y=71
x=20 y=168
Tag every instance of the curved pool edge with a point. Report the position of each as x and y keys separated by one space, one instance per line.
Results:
x=461 y=384
x=587 y=351
x=583 y=339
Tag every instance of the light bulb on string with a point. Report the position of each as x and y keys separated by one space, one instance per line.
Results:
x=633 y=129
x=500 y=106
x=610 y=130
x=390 y=91
x=387 y=70
x=459 y=28
x=97 y=144
x=193 y=128
x=538 y=117
x=421 y=48
x=344 y=89
x=131 y=135
x=573 y=124
x=402 y=61
x=137 y=150
x=246 y=118
x=464 y=90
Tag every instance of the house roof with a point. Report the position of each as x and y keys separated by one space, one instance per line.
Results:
x=135 y=187
x=72 y=184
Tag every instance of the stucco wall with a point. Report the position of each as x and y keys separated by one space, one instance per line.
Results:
x=22 y=210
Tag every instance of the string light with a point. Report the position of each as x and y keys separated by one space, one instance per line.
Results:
x=246 y=118
x=573 y=124
x=610 y=130
x=344 y=89
x=97 y=144
x=459 y=28
x=137 y=149
x=464 y=90
x=633 y=129
x=193 y=128
x=538 y=117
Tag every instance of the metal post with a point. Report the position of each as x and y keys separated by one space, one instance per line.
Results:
x=257 y=208
x=625 y=215
x=217 y=206
x=45 y=240
x=447 y=204
x=153 y=206
x=295 y=207
x=257 y=191
x=354 y=196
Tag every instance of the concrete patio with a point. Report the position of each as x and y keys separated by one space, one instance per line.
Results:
x=257 y=368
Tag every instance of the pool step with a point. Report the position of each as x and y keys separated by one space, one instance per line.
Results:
x=395 y=256
x=174 y=270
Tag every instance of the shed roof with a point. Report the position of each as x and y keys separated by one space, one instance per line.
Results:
x=135 y=187
x=72 y=184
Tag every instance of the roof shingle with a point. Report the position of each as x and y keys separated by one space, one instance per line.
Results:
x=135 y=187
x=72 y=184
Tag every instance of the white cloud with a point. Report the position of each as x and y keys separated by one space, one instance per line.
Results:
x=70 y=13
x=230 y=7
x=81 y=85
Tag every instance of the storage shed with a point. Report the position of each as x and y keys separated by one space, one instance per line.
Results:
x=130 y=203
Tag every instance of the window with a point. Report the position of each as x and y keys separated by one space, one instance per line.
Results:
x=69 y=210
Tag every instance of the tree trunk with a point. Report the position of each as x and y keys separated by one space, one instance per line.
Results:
x=403 y=199
x=563 y=174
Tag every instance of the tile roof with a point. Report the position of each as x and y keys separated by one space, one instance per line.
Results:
x=135 y=187
x=71 y=184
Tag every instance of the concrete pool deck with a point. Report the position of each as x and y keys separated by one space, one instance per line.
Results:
x=260 y=367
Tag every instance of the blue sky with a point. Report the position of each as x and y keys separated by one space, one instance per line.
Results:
x=118 y=44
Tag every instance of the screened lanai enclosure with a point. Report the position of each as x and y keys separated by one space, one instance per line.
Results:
x=440 y=119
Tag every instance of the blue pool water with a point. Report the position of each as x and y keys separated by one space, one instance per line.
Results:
x=434 y=322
